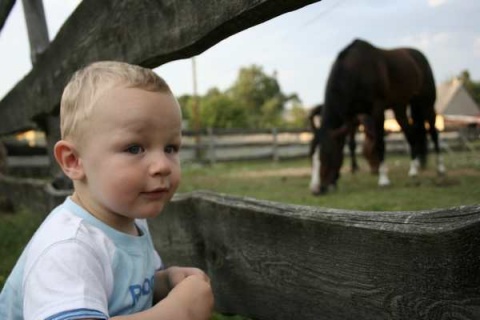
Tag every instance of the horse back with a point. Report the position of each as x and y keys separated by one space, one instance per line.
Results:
x=364 y=75
x=428 y=89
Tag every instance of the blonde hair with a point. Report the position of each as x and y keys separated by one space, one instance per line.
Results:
x=88 y=84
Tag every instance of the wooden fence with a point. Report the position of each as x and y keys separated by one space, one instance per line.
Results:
x=234 y=145
x=275 y=261
x=267 y=260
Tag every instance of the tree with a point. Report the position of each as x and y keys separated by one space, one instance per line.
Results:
x=255 y=100
x=186 y=104
x=260 y=95
x=298 y=116
x=219 y=111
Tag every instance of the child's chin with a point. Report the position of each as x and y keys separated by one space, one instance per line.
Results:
x=150 y=212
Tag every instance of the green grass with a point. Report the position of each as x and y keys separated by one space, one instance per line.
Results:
x=287 y=181
x=15 y=231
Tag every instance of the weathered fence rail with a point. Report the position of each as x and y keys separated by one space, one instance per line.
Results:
x=276 y=261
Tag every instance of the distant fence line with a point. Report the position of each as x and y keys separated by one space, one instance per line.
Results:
x=222 y=145
x=219 y=145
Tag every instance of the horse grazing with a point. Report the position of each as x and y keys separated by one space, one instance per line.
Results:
x=368 y=80
x=314 y=119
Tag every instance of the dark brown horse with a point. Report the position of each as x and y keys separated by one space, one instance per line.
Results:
x=368 y=80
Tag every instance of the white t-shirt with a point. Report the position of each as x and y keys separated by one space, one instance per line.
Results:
x=76 y=266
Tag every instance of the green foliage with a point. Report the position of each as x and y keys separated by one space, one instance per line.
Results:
x=297 y=117
x=219 y=111
x=255 y=100
x=260 y=95
x=186 y=103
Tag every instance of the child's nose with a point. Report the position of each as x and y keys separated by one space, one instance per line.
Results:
x=160 y=164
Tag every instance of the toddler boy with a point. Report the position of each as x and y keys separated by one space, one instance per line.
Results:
x=93 y=257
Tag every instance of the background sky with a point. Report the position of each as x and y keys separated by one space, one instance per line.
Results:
x=299 y=46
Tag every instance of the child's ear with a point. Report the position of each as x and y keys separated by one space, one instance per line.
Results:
x=67 y=157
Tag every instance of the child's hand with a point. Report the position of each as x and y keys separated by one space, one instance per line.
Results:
x=176 y=274
x=193 y=295
x=190 y=299
x=166 y=280
x=183 y=293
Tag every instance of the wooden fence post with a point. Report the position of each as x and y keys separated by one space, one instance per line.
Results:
x=275 y=154
x=211 y=146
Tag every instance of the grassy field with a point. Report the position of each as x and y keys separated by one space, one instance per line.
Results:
x=287 y=181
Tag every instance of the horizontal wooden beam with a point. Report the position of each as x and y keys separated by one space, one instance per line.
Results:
x=270 y=260
x=147 y=32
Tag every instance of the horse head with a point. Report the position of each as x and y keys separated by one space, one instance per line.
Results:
x=332 y=142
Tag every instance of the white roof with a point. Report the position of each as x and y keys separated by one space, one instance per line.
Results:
x=453 y=99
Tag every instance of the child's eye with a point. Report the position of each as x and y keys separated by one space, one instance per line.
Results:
x=135 y=149
x=171 y=149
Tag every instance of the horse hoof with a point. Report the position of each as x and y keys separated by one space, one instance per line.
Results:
x=384 y=182
x=441 y=172
x=319 y=193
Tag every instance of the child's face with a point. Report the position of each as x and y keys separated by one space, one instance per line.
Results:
x=130 y=154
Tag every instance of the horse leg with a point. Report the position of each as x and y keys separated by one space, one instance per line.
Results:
x=352 y=145
x=402 y=119
x=315 y=178
x=379 y=119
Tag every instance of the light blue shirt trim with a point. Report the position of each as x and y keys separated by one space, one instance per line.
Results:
x=78 y=314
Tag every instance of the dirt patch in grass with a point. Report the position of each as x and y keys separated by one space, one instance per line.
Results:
x=283 y=172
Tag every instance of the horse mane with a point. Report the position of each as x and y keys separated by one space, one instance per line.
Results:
x=357 y=43
x=337 y=79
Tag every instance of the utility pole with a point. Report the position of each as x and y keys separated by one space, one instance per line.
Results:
x=196 y=113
